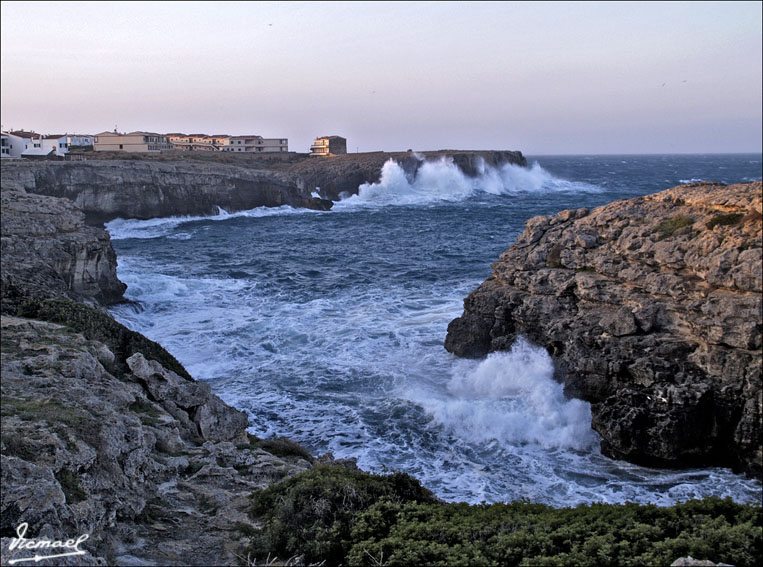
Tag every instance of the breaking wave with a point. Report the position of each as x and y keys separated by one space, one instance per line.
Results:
x=512 y=398
x=443 y=180
x=175 y=227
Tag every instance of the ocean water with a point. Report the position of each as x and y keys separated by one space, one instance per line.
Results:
x=327 y=327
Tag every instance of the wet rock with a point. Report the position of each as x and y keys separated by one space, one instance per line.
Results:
x=651 y=308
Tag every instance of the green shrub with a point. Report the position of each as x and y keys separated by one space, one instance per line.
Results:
x=99 y=326
x=728 y=219
x=669 y=226
x=283 y=447
x=312 y=513
x=354 y=518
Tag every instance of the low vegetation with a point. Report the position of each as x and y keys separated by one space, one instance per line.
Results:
x=333 y=516
x=728 y=219
x=678 y=224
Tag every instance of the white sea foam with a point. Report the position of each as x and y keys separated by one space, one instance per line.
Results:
x=512 y=398
x=443 y=180
x=160 y=227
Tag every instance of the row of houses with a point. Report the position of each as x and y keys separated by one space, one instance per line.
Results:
x=30 y=144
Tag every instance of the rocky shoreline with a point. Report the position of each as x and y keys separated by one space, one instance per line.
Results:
x=106 y=189
x=651 y=309
x=105 y=433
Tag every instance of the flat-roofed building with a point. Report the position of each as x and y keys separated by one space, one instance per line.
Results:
x=13 y=144
x=198 y=142
x=79 y=140
x=257 y=144
x=326 y=146
x=145 y=142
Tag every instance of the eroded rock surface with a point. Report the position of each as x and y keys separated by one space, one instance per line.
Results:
x=48 y=251
x=651 y=308
x=155 y=468
x=144 y=189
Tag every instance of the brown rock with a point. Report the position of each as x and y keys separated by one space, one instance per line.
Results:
x=651 y=308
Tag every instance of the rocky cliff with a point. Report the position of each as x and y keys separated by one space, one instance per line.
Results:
x=104 y=433
x=154 y=468
x=145 y=189
x=345 y=173
x=48 y=251
x=651 y=309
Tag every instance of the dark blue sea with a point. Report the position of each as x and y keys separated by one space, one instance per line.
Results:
x=327 y=327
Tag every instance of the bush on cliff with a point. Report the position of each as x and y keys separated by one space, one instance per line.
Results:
x=353 y=518
x=99 y=326
x=312 y=514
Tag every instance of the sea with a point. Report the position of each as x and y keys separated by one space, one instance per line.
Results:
x=327 y=327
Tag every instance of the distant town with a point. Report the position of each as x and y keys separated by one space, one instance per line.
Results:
x=30 y=144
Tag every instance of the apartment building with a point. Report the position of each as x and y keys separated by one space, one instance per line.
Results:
x=326 y=146
x=257 y=144
x=198 y=142
x=146 y=142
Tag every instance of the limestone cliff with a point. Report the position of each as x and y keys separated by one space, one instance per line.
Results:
x=104 y=433
x=651 y=309
x=145 y=189
x=151 y=465
x=345 y=173
x=48 y=251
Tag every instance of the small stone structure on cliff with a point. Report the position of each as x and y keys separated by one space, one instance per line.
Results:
x=651 y=309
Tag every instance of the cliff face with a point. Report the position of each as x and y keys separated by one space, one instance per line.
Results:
x=48 y=251
x=345 y=173
x=103 y=432
x=651 y=309
x=140 y=189
x=151 y=465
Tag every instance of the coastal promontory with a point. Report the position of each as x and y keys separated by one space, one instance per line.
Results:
x=651 y=310
x=107 y=187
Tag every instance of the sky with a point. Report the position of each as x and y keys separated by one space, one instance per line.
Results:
x=543 y=78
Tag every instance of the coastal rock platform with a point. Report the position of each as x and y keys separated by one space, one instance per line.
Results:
x=651 y=310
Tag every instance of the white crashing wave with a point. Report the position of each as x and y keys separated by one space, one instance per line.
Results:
x=443 y=180
x=166 y=226
x=512 y=398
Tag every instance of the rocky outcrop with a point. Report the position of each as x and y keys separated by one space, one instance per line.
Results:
x=48 y=251
x=144 y=189
x=151 y=465
x=104 y=433
x=344 y=174
x=651 y=309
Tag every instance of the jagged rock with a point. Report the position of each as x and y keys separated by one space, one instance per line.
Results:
x=85 y=451
x=651 y=309
x=48 y=251
x=143 y=189
x=689 y=561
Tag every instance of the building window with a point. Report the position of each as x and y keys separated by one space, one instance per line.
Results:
x=121 y=147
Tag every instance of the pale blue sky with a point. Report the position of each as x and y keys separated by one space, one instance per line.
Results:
x=542 y=78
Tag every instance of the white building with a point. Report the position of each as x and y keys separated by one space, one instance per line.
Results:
x=79 y=140
x=12 y=146
x=16 y=142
